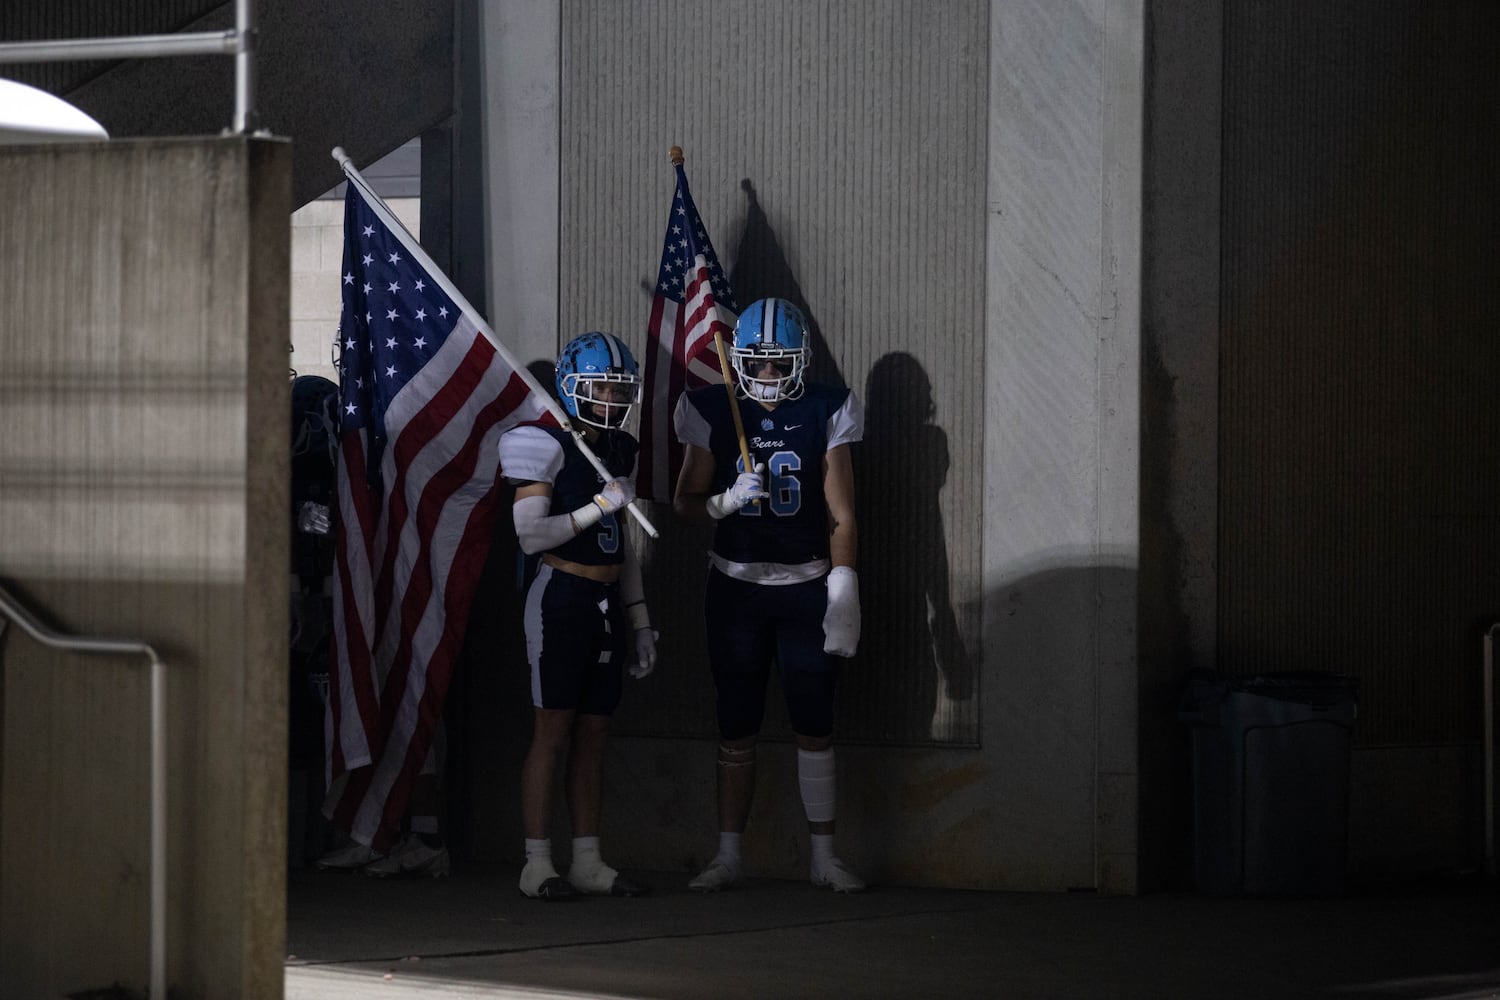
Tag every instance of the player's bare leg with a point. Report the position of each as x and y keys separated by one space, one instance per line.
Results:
x=588 y=872
x=736 y=781
x=549 y=738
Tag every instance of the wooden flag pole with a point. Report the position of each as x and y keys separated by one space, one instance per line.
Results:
x=734 y=404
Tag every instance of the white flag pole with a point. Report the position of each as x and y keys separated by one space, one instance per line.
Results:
x=412 y=247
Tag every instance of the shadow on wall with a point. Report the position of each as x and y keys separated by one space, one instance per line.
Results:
x=914 y=680
x=761 y=271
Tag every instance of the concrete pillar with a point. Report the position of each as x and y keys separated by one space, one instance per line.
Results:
x=143 y=494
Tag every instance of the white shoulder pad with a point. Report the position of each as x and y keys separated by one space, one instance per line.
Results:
x=847 y=423
x=691 y=427
x=531 y=454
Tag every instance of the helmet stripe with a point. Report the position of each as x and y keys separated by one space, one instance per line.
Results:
x=768 y=323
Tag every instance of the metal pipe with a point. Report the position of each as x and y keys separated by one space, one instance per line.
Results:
x=15 y=611
x=202 y=43
x=244 y=66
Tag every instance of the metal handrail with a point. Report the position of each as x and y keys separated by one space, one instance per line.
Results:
x=238 y=42
x=14 y=610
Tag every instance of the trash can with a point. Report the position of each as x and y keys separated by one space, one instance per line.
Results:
x=1271 y=782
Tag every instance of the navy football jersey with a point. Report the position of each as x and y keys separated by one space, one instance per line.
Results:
x=790 y=527
x=541 y=454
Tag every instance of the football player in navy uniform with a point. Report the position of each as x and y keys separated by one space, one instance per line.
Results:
x=781 y=585
x=586 y=609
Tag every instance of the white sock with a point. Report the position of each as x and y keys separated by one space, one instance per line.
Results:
x=729 y=850
x=539 y=853
x=588 y=871
x=586 y=856
x=538 y=866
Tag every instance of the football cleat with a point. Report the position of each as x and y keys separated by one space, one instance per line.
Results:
x=411 y=859
x=539 y=880
x=602 y=880
x=833 y=875
x=715 y=877
x=349 y=858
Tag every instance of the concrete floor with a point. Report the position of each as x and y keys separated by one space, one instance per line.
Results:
x=472 y=935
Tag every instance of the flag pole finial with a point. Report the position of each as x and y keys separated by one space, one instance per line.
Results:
x=676 y=154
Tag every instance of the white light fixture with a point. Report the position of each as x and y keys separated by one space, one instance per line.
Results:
x=31 y=115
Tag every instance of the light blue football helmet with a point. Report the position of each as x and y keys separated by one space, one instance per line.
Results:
x=598 y=380
x=770 y=330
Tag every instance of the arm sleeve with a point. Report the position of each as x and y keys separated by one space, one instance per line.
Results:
x=691 y=427
x=847 y=424
x=536 y=531
x=530 y=454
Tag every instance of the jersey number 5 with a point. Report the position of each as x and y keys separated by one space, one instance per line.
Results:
x=609 y=534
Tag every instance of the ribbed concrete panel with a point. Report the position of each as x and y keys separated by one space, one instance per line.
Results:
x=1360 y=459
x=837 y=156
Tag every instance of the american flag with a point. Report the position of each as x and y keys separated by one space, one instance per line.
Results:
x=692 y=298
x=425 y=393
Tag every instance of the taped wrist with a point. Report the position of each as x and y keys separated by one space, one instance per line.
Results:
x=718 y=506
x=640 y=617
x=588 y=515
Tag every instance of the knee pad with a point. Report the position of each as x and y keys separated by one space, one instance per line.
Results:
x=815 y=777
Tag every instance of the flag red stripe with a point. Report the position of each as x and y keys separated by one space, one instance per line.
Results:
x=431 y=504
x=387 y=789
x=357 y=641
x=464 y=574
x=680 y=331
x=411 y=547
x=407 y=441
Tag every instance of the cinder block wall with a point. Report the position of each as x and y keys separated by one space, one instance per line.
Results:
x=317 y=255
x=143 y=479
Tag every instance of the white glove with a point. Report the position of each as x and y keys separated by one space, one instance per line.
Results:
x=645 y=652
x=645 y=639
x=615 y=495
x=841 y=620
x=746 y=487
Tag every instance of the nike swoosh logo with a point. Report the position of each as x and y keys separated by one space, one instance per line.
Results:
x=791 y=427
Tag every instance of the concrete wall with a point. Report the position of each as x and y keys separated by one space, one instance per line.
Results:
x=1047 y=798
x=143 y=323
